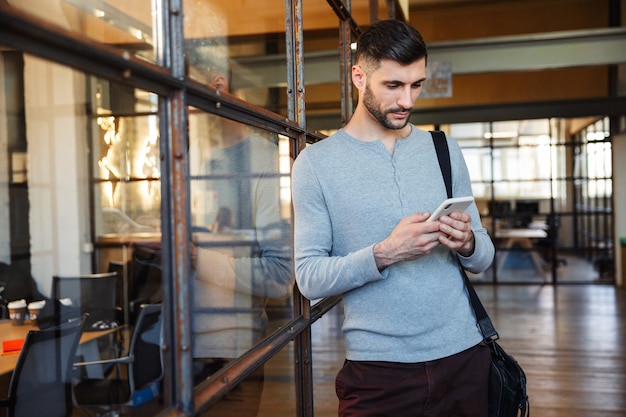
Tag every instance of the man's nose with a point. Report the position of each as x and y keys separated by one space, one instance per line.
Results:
x=407 y=98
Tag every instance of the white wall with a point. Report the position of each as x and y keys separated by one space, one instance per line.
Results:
x=619 y=196
x=56 y=134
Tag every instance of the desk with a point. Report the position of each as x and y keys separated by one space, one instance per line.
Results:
x=523 y=238
x=520 y=235
x=88 y=343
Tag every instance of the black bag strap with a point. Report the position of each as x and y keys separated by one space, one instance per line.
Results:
x=484 y=322
x=443 y=155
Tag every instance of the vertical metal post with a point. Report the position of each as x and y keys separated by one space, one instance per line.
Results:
x=295 y=61
x=394 y=11
x=175 y=211
x=347 y=27
x=345 y=66
x=296 y=111
x=373 y=15
x=391 y=9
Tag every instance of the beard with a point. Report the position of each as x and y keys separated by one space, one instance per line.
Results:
x=379 y=114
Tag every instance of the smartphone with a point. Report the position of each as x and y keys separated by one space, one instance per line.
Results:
x=450 y=205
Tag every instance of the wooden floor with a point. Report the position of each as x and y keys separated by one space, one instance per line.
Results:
x=571 y=341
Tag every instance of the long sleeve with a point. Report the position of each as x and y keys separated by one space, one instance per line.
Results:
x=320 y=274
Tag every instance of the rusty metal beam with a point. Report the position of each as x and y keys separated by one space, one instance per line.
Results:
x=343 y=13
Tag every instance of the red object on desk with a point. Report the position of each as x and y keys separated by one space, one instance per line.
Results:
x=12 y=346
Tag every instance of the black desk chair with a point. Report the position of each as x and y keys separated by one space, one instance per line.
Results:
x=551 y=242
x=141 y=280
x=146 y=279
x=140 y=381
x=94 y=294
x=41 y=384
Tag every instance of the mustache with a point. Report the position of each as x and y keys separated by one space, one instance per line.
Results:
x=400 y=110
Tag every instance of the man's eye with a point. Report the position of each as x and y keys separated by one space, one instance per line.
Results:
x=417 y=85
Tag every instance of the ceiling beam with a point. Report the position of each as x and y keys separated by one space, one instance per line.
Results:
x=567 y=109
x=510 y=53
x=607 y=106
x=535 y=51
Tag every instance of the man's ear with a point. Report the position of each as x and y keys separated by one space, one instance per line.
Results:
x=220 y=83
x=358 y=77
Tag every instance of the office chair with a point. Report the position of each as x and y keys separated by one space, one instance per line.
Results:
x=92 y=293
x=40 y=384
x=551 y=242
x=123 y=287
x=140 y=381
x=146 y=279
x=140 y=279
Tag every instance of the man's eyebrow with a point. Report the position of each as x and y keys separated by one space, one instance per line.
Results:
x=398 y=82
x=421 y=80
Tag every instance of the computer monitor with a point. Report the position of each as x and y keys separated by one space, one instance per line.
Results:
x=525 y=210
x=499 y=208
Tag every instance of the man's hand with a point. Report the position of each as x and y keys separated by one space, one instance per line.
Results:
x=456 y=233
x=410 y=239
x=215 y=267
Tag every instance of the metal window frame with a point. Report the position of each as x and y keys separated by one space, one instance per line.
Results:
x=167 y=79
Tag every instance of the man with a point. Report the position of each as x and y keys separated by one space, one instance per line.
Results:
x=361 y=199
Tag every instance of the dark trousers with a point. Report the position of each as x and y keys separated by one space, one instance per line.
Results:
x=456 y=386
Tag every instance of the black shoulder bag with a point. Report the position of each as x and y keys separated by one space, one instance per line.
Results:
x=507 y=380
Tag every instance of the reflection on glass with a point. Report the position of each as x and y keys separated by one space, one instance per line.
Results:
x=123 y=24
x=247 y=45
x=243 y=276
x=126 y=162
x=328 y=357
x=127 y=191
x=48 y=112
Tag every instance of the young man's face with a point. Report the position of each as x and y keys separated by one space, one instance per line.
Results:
x=391 y=90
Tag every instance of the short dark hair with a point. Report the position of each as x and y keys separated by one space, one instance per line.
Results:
x=390 y=39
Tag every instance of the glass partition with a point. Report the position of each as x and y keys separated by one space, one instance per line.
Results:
x=537 y=187
x=126 y=163
x=244 y=48
x=322 y=66
x=242 y=279
x=127 y=25
x=126 y=190
x=84 y=190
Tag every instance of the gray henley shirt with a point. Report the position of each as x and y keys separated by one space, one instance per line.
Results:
x=349 y=195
